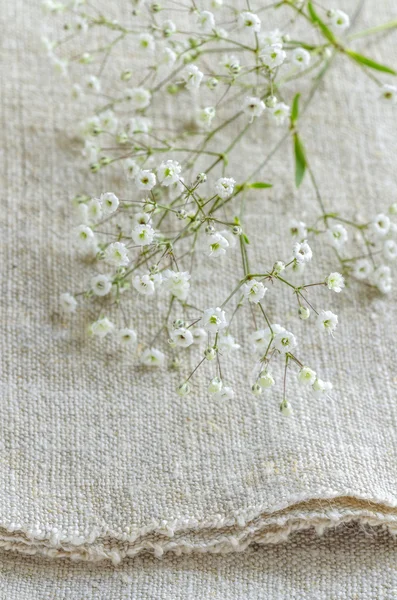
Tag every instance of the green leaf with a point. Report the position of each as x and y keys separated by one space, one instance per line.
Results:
x=368 y=62
x=295 y=109
x=300 y=160
x=259 y=185
x=316 y=19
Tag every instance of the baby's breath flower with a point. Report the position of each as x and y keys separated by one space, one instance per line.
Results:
x=68 y=302
x=382 y=279
x=254 y=291
x=94 y=210
x=304 y=313
x=224 y=187
x=205 y=116
x=273 y=56
x=109 y=121
x=284 y=341
x=182 y=337
x=143 y=285
x=116 y=254
x=335 y=282
x=177 y=282
x=215 y=385
x=168 y=172
x=388 y=93
x=327 y=321
x=253 y=107
x=226 y=393
x=167 y=58
x=337 y=236
x=93 y=83
x=307 y=376
x=102 y=327
x=227 y=343
x=192 y=77
x=183 y=389
x=110 y=203
x=339 y=19
x=265 y=379
x=152 y=357
x=362 y=268
x=250 y=21
x=139 y=98
x=143 y=235
x=139 y=124
x=301 y=58
x=210 y=354
x=302 y=252
x=84 y=237
x=320 y=386
x=271 y=38
x=168 y=27
x=217 y=245
x=214 y=319
x=206 y=20
x=280 y=112
x=256 y=389
x=380 y=226
x=259 y=340
x=101 y=285
x=298 y=229
x=200 y=336
x=145 y=180
x=390 y=250
x=285 y=408
x=146 y=42
x=126 y=337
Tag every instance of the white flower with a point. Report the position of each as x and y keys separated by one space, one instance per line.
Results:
x=306 y=376
x=215 y=385
x=286 y=408
x=192 y=77
x=126 y=337
x=320 y=386
x=253 y=107
x=146 y=42
x=77 y=92
x=227 y=343
x=335 y=282
x=226 y=393
x=132 y=168
x=167 y=58
x=382 y=279
x=168 y=172
x=273 y=56
x=139 y=98
x=327 y=321
x=302 y=252
x=214 y=319
x=206 y=20
x=388 y=93
x=390 y=250
x=254 y=291
x=139 y=124
x=94 y=210
x=168 y=27
x=116 y=254
x=109 y=121
x=260 y=340
x=60 y=66
x=68 y=302
x=229 y=236
x=301 y=58
x=250 y=20
x=183 y=389
x=337 y=236
x=362 y=268
x=224 y=187
x=200 y=336
x=278 y=267
x=143 y=285
x=141 y=219
x=143 y=235
x=177 y=282
x=145 y=180
x=298 y=229
x=84 y=237
x=101 y=327
x=182 y=337
x=265 y=380
x=205 y=116
x=380 y=226
x=231 y=63
x=93 y=83
x=339 y=19
x=110 y=203
x=101 y=285
x=284 y=340
x=151 y=357
x=280 y=112
x=271 y=38
x=217 y=244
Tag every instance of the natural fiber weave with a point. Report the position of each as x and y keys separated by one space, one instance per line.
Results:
x=100 y=459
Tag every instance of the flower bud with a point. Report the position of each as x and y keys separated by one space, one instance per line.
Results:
x=178 y=323
x=183 y=389
x=265 y=380
x=215 y=385
x=393 y=209
x=237 y=230
x=210 y=353
x=304 y=313
x=212 y=83
x=126 y=75
x=285 y=408
x=271 y=101
x=181 y=214
x=278 y=267
x=256 y=389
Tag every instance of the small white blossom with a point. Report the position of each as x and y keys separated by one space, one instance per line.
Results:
x=320 y=386
x=271 y=38
x=327 y=321
x=339 y=19
x=215 y=385
x=254 y=291
x=210 y=354
x=224 y=187
x=177 y=282
x=168 y=172
x=94 y=210
x=214 y=319
x=250 y=21
x=382 y=279
x=168 y=27
x=109 y=121
x=337 y=236
x=390 y=250
x=302 y=252
x=139 y=98
x=284 y=340
x=200 y=336
x=278 y=267
x=229 y=236
x=145 y=180
x=306 y=376
x=335 y=282
x=206 y=20
x=146 y=42
x=126 y=337
x=304 y=313
x=231 y=63
x=183 y=389
x=205 y=116
x=217 y=245
x=227 y=343
x=182 y=337
x=388 y=93
x=298 y=229
x=280 y=112
x=68 y=302
x=266 y=380
x=273 y=56
x=286 y=409
x=141 y=218
x=102 y=327
x=93 y=83
x=260 y=339
x=167 y=58
x=84 y=238
x=110 y=203
x=139 y=124
x=301 y=58
x=226 y=393
x=192 y=77
x=143 y=285
x=253 y=107
x=116 y=254
x=143 y=235
x=101 y=285
x=362 y=268
x=380 y=226
x=151 y=357
x=132 y=168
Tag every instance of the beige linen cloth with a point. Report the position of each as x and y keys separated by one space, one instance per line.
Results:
x=101 y=461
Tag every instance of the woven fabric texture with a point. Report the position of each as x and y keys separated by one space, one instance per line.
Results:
x=99 y=459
